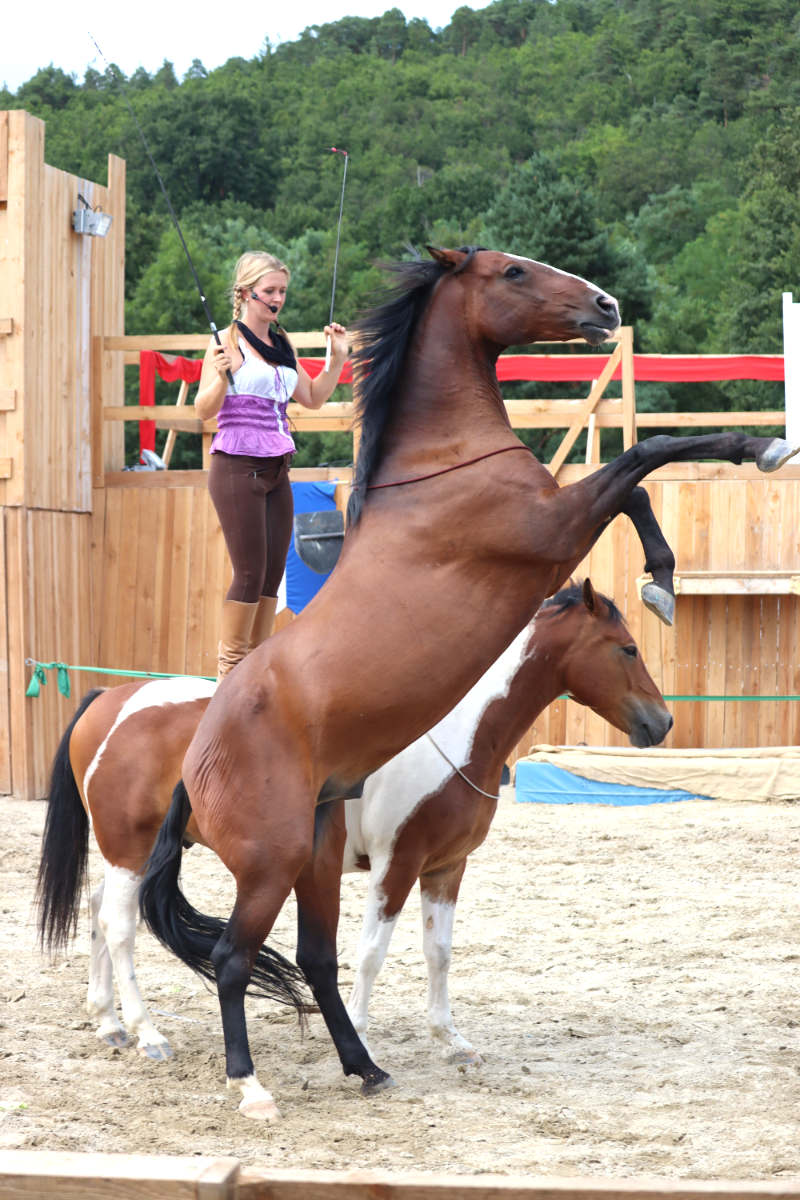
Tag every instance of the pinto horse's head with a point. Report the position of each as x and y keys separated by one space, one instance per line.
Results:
x=602 y=667
x=514 y=300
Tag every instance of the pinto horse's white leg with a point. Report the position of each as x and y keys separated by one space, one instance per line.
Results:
x=118 y=915
x=376 y=934
x=100 y=996
x=438 y=914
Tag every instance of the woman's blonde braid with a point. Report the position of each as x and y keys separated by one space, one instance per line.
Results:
x=233 y=333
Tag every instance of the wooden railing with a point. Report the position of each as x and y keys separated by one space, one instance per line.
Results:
x=594 y=413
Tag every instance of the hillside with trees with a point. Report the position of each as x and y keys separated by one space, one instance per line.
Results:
x=651 y=146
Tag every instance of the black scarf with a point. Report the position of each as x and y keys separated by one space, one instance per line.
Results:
x=280 y=354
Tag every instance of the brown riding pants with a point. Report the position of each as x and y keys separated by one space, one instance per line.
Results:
x=253 y=499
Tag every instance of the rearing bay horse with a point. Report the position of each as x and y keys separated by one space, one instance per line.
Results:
x=452 y=519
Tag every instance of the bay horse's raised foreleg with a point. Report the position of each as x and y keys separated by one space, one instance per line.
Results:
x=612 y=489
x=658 y=596
x=317 y=889
x=619 y=477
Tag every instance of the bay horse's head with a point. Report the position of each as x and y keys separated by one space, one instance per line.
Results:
x=510 y=300
x=601 y=664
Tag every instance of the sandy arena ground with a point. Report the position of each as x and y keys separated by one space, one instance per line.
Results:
x=630 y=974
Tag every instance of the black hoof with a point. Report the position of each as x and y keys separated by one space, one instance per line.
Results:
x=377 y=1082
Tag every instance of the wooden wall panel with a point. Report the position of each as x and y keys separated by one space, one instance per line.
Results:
x=5 y=713
x=138 y=585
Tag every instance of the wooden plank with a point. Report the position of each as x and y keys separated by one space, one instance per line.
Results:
x=258 y=1184
x=694 y=419
x=69 y=1176
x=8 y=399
x=689 y=471
x=6 y=326
x=174 y=600
x=3 y=157
x=17 y=613
x=64 y=1174
x=737 y=583
x=628 y=388
x=168 y=343
x=5 y=708
x=334 y=415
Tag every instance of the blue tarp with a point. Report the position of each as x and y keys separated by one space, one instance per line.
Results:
x=543 y=783
x=302 y=584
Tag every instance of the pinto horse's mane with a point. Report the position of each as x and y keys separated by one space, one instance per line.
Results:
x=572 y=595
x=384 y=333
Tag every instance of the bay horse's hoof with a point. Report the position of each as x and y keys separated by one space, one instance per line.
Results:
x=157 y=1051
x=379 y=1082
x=659 y=601
x=778 y=452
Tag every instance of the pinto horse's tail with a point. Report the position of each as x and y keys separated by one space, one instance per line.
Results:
x=189 y=934
x=65 y=846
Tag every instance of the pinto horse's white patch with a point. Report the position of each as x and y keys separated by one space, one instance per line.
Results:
x=394 y=792
x=154 y=694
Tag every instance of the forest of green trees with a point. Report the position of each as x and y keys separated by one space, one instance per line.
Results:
x=650 y=145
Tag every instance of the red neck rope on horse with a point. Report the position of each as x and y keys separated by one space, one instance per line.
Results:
x=443 y=470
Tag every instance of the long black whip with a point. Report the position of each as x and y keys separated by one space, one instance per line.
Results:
x=157 y=173
x=336 y=150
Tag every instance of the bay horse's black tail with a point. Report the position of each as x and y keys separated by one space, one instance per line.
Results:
x=65 y=846
x=189 y=934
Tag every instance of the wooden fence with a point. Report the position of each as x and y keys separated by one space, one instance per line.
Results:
x=65 y=1176
x=113 y=569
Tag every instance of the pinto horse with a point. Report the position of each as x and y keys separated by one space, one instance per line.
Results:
x=422 y=813
x=451 y=519
x=418 y=815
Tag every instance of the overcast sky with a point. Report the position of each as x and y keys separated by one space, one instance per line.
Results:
x=145 y=33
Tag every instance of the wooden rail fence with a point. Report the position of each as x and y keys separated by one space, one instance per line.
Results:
x=66 y=1176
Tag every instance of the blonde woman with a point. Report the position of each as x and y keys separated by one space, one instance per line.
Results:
x=249 y=474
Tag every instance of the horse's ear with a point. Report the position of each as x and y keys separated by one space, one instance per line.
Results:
x=589 y=598
x=446 y=258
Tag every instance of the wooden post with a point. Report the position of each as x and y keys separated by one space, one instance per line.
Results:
x=791 y=366
x=628 y=389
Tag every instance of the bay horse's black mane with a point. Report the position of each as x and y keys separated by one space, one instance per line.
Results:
x=572 y=594
x=383 y=335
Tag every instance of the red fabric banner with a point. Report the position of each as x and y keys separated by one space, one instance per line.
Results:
x=666 y=368
x=170 y=367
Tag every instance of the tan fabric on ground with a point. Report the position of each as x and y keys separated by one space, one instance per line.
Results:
x=771 y=773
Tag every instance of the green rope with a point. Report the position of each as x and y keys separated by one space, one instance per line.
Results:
x=39 y=678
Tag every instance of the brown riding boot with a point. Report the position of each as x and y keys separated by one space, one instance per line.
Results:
x=234 y=635
x=264 y=622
